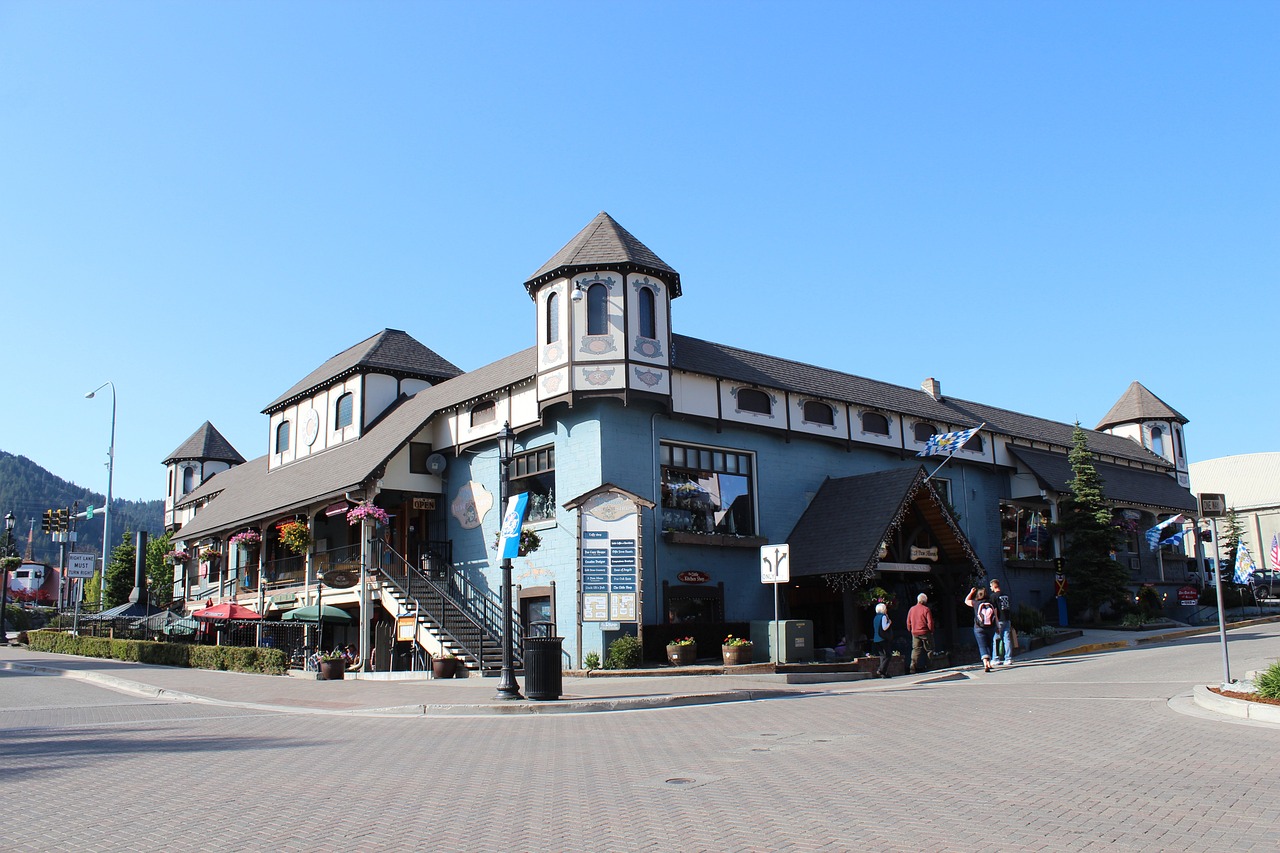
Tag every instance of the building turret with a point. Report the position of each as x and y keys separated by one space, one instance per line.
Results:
x=604 y=317
x=197 y=459
x=1151 y=422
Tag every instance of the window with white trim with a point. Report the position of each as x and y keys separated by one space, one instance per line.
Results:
x=754 y=400
x=343 y=410
x=534 y=471
x=817 y=412
x=923 y=431
x=875 y=423
x=483 y=413
x=282 y=437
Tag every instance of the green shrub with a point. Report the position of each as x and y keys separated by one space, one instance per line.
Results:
x=1027 y=619
x=1232 y=596
x=1149 y=603
x=233 y=658
x=591 y=660
x=1133 y=620
x=16 y=618
x=624 y=653
x=1268 y=682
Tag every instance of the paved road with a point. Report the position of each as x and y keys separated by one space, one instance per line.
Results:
x=1072 y=753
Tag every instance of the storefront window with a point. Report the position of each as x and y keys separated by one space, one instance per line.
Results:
x=706 y=490
x=535 y=472
x=1024 y=533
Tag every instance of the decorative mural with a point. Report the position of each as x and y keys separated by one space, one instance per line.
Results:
x=645 y=281
x=648 y=377
x=598 y=376
x=598 y=344
x=648 y=348
x=471 y=505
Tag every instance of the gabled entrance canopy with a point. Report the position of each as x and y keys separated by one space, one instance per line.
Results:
x=850 y=518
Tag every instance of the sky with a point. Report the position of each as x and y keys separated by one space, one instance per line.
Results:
x=1034 y=203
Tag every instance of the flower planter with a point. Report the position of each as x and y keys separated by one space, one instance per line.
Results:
x=444 y=667
x=333 y=670
x=682 y=655
x=736 y=655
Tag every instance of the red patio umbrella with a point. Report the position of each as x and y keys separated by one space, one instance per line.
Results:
x=227 y=611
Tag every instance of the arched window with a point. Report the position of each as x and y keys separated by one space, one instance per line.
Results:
x=974 y=443
x=483 y=413
x=553 y=318
x=1177 y=442
x=343 y=410
x=648 y=323
x=282 y=437
x=875 y=423
x=816 y=412
x=597 y=310
x=923 y=430
x=753 y=400
x=1157 y=441
x=188 y=479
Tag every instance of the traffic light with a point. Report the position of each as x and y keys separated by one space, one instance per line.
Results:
x=62 y=521
x=46 y=522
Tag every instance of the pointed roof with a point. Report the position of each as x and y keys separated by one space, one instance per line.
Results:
x=390 y=351
x=604 y=244
x=206 y=445
x=1139 y=404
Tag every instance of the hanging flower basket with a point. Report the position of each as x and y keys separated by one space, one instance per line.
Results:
x=248 y=539
x=529 y=542
x=366 y=510
x=210 y=554
x=295 y=536
x=176 y=557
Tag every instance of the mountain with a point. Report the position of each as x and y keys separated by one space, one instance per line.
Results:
x=27 y=490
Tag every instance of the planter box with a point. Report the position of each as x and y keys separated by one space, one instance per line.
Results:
x=682 y=655
x=736 y=655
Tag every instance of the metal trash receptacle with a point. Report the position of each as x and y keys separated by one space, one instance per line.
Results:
x=543 y=678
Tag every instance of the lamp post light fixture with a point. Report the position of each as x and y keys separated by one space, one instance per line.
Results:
x=507 y=686
x=9 y=551
x=106 y=511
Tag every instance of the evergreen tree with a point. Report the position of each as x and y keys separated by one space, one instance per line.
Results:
x=120 y=571
x=1232 y=533
x=1093 y=577
x=159 y=571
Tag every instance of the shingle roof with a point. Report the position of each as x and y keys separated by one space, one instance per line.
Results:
x=205 y=444
x=1139 y=404
x=390 y=351
x=842 y=528
x=604 y=244
x=700 y=356
x=1119 y=483
x=249 y=492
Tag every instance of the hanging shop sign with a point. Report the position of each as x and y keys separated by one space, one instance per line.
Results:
x=693 y=577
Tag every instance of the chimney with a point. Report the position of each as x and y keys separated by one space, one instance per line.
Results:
x=932 y=387
x=139 y=593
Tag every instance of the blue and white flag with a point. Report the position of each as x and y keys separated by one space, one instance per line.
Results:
x=1153 y=535
x=513 y=524
x=947 y=442
x=1175 y=539
x=1245 y=567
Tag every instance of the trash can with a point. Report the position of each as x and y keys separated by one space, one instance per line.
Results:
x=542 y=674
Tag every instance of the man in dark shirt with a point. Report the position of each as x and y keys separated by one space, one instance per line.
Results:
x=920 y=624
x=1004 y=611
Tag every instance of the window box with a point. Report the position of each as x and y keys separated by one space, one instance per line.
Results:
x=718 y=540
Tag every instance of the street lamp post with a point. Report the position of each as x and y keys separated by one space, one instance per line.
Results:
x=9 y=551
x=507 y=686
x=106 y=511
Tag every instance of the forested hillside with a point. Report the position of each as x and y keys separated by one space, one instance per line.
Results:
x=27 y=490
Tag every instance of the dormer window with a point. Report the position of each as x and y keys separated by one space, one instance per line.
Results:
x=974 y=444
x=923 y=431
x=754 y=400
x=875 y=423
x=553 y=318
x=282 y=437
x=816 y=412
x=342 y=415
x=648 y=322
x=597 y=310
x=1157 y=441
x=483 y=413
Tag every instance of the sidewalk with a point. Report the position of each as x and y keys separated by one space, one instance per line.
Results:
x=422 y=696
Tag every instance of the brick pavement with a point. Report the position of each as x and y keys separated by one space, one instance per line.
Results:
x=1072 y=753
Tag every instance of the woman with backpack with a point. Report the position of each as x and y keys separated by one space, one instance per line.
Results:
x=985 y=622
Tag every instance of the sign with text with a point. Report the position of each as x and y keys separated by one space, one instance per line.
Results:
x=775 y=564
x=81 y=565
x=610 y=559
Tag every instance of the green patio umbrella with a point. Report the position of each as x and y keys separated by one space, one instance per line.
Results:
x=330 y=615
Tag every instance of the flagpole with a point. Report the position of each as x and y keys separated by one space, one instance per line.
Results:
x=976 y=430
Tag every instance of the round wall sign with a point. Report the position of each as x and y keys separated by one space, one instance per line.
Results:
x=340 y=578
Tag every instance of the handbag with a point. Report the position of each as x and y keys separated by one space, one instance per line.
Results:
x=1013 y=637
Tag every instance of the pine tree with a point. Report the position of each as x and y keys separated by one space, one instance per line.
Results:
x=1232 y=533
x=120 y=571
x=1093 y=577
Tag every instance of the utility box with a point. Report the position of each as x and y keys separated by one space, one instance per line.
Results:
x=794 y=637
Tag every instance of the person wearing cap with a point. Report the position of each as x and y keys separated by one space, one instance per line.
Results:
x=1004 y=610
x=920 y=624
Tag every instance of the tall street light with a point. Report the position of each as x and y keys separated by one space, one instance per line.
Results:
x=106 y=511
x=8 y=551
x=507 y=687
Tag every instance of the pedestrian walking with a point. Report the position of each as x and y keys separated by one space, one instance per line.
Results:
x=880 y=637
x=984 y=623
x=1004 y=632
x=920 y=624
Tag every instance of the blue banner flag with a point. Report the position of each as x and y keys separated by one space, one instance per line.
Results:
x=513 y=525
x=947 y=442
x=1153 y=535
x=1245 y=566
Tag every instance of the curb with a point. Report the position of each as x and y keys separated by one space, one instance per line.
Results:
x=1242 y=708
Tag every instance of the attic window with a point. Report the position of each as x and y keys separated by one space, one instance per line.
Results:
x=342 y=416
x=1157 y=441
x=597 y=310
x=483 y=413
x=922 y=431
x=553 y=318
x=282 y=437
x=816 y=412
x=875 y=423
x=648 y=325
x=754 y=400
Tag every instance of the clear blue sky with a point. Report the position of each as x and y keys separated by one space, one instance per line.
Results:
x=1036 y=203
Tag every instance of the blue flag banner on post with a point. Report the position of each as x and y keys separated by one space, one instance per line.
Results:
x=947 y=442
x=1175 y=539
x=1153 y=535
x=513 y=524
x=1245 y=566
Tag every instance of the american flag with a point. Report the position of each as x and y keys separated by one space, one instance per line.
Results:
x=1275 y=552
